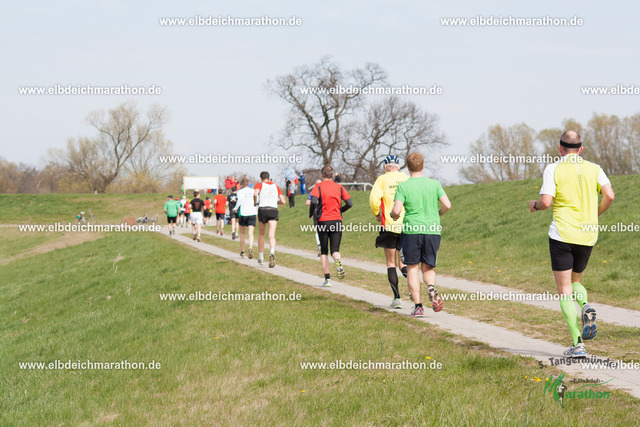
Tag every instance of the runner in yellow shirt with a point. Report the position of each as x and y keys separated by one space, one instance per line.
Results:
x=381 y=202
x=573 y=185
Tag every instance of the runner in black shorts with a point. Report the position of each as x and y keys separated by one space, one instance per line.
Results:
x=572 y=187
x=232 y=199
x=326 y=206
x=266 y=197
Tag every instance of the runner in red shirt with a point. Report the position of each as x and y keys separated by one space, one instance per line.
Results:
x=220 y=203
x=326 y=206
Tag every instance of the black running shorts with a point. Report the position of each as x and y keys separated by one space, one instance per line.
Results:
x=568 y=256
x=420 y=248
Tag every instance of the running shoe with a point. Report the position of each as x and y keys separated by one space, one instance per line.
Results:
x=319 y=252
x=272 y=261
x=242 y=254
x=198 y=238
x=396 y=303
x=327 y=283
x=576 y=351
x=233 y=235
x=417 y=311
x=194 y=237
x=250 y=253
x=589 y=328
x=436 y=302
x=339 y=269
x=260 y=261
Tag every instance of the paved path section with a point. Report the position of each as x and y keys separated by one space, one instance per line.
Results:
x=606 y=313
x=494 y=336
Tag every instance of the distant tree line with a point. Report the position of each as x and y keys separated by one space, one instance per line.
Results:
x=610 y=141
x=123 y=156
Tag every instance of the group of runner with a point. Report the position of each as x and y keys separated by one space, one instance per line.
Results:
x=409 y=208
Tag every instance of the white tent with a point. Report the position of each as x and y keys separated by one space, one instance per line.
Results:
x=199 y=182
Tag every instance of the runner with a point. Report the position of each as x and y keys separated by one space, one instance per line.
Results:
x=573 y=185
x=171 y=208
x=220 y=203
x=381 y=200
x=266 y=196
x=183 y=203
x=247 y=213
x=421 y=229
x=326 y=206
x=233 y=215
x=315 y=221
x=187 y=212
x=197 y=205
x=207 y=211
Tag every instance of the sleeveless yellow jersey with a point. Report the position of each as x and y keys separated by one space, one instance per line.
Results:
x=381 y=199
x=574 y=184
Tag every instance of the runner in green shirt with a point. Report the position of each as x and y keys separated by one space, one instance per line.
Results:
x=171 y=208
x=421 y=229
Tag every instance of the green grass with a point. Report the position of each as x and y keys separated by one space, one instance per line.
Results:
x=239 y=362
x=616 y=342
x=489 y=235
x=63 y=208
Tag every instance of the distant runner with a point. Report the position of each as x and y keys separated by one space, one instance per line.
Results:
x=421 y=228
x=233 y=215
x=315 y=221
x=171 y=208
x=220 y=204
x=197 y=205
x=187 y=212
x=381 y=201
x=183 y=203
x=266 y=197
x=207 y=211
x=326 y=206
x=247 y=213
x=573 y=185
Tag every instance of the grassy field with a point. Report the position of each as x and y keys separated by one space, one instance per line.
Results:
x=63 y=208
x=489 y=235
x=613 y=341
x=240 y=362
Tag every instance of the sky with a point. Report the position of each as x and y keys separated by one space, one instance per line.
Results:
x=213 y=78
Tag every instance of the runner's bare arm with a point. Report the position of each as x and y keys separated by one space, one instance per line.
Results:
x=541 y=204
x=607 y=198
x=397 y=210
x=446 y=205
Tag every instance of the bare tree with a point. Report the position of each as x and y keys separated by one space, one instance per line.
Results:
x=632 y=130
x=499 y=142
x=122 y=134
x=609 y=144
x=392 y=126
x=319 y=116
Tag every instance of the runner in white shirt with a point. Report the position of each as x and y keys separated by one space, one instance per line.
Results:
x=266 y=197
x=247 y=211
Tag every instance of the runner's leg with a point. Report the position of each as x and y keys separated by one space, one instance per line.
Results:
x=392 y=274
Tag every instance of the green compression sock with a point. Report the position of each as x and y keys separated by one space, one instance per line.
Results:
x=570 y=314
x=580 y=292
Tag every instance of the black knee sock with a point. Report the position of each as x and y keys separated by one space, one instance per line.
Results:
x=392 y=274
x=404 y=271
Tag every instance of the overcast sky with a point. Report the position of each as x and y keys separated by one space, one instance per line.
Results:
x=213 y=78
